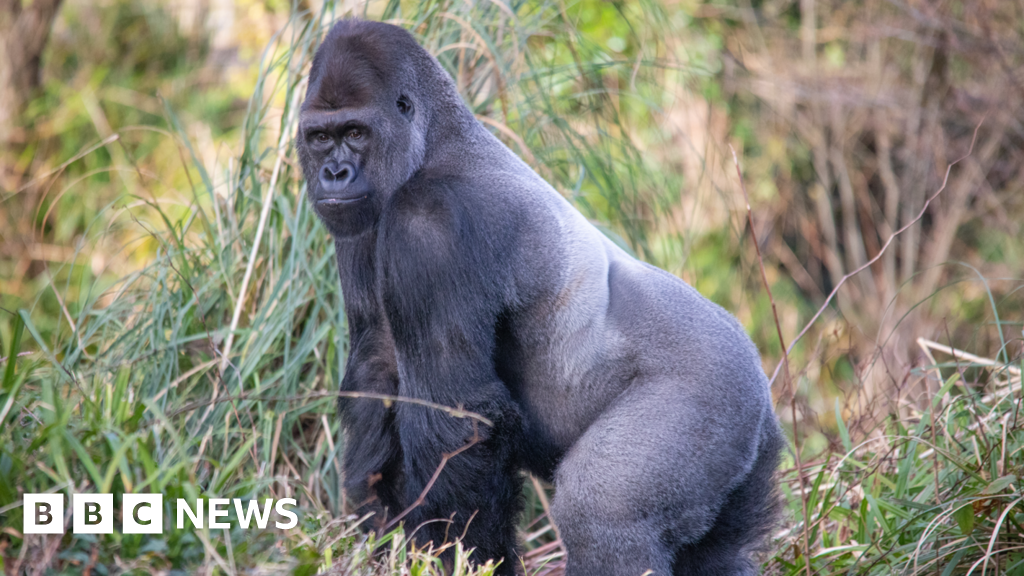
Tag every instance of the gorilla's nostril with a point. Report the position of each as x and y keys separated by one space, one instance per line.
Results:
x=339 y=180
x=338 y=173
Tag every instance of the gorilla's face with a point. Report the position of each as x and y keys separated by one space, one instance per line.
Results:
x=360 y=129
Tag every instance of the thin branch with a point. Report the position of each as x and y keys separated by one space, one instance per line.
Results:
x=961 y=355
x=866 y=265
x=437 y=472
x=451 y=411
x=785 y=362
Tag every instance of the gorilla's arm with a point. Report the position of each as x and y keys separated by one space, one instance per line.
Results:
x=445 y=282
x=373 y=454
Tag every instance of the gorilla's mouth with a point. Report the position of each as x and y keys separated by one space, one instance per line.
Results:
x=336 y=200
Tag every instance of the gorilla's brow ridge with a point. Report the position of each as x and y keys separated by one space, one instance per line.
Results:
x=316 y=118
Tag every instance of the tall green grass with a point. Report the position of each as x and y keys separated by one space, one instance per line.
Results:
x=134 y=393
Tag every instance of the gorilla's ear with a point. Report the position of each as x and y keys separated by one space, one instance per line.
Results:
x=405 y=107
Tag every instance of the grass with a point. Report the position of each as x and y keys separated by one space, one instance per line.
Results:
x=131 y=394
x=212 y=370
x=934 y=489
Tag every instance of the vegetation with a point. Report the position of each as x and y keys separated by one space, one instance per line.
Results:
x=171 y=320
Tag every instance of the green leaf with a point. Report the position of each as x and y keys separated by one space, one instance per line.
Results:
x=878 y=514
x=965 y=519
x=945 y=389
x=12 y=354
x=955 y=562
x=115 y=464
x=999 y=484
x=844 y=434
x=225 y=473
x=84 y=458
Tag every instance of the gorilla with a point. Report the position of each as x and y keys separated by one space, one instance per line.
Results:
x=469 y=282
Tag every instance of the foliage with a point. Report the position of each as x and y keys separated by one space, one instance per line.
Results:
x=130 y=394
x=935 y=490
x=847 y=116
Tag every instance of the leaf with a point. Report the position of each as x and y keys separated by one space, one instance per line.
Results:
x=955 y=561
x=12 y=354
x=225 y=472
x=844 y=434
x=999 y=484
x=965 y=519
x=945 y=389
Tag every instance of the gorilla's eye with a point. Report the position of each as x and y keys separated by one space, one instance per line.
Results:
x=354 y=134
x=322 y=138
x=405 y=107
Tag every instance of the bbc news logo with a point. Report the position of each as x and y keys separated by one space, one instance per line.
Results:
x=144 y=513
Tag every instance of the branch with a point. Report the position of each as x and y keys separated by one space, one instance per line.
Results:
x=785 y=362
x=866 y=265
x=437 y=472
x=451 y=411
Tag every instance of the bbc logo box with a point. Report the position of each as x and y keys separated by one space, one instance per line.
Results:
x=44 y=514
x=144 y=513
x=93 y=514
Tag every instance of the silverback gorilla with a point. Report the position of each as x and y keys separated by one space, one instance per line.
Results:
x=469 y=281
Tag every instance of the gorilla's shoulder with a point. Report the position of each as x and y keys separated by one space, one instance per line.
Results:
x=435 y=238
x=425 y=199
x=450 y=209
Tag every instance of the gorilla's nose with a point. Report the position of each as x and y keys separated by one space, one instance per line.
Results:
x=336 y=176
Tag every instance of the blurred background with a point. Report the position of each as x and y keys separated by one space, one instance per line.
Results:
x=170 y=319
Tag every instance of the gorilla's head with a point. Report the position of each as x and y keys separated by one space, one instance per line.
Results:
x=363 y=126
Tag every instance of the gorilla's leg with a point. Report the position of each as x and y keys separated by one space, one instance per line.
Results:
x=650 y=475
x=747 y=516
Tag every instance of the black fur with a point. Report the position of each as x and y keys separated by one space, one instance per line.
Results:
x=469 y=281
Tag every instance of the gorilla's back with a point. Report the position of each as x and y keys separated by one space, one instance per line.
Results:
x=605 y=323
